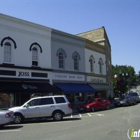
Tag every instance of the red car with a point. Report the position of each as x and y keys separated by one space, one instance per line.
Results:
x=96 y=104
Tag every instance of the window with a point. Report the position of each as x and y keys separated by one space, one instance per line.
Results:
x=59 y=100
x=76 y=58
x=34 y=56
x=100 y=66
x=76 y=63
x=34 y=102
x=61 y=60
x=46 y=101
x=7 y=52
x=91 y=61
x=91 y=65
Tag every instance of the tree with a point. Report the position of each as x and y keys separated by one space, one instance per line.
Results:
x=125 y=77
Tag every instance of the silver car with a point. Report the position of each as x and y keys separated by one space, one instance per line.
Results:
x=6 y=117
x=127 y=100
x=135 y=96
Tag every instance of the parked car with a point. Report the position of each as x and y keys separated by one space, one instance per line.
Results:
x=135 y=96
x=96 y=104
x=6 y=117
x=40 y=107
x=125 y=100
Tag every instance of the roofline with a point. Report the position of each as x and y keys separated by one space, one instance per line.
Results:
x=15 y=19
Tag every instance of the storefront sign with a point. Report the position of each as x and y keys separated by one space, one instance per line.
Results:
x=59 y=76
x=23 y=74
x=96 y=79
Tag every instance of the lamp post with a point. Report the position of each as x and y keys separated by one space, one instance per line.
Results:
x=121 y=82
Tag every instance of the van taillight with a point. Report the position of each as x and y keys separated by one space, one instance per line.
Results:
x=69 y=105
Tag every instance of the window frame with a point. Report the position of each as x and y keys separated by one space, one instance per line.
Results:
x=35 y=56
x=61 y=60
x=76 y=62
x=7 y=52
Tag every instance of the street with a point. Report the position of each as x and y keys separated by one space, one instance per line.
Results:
x=110 y=124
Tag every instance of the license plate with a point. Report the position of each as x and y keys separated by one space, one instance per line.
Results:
x=81 y=108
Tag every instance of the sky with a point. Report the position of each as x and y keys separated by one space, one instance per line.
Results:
x=121 y=19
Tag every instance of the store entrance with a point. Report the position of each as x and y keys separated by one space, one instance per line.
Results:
x=21 y=98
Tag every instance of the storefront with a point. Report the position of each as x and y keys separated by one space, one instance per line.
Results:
x=18 y=86
x=74 y=87
x=101 y=85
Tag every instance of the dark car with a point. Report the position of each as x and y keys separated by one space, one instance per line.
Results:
x=96 y=104
x=135 y=96
x=124 y=100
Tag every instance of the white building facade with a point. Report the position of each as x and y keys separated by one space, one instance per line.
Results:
x=36 y=60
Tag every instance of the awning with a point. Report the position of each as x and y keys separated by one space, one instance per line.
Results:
x=100 y=87
x=75 y=88
x=14 y=87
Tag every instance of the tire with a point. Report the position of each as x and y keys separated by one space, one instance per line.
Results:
x=18 y=118
x=107 y=107
x=92 y=109
x=57 y=116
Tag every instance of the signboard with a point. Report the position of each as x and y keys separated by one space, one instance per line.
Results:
x=70 y=77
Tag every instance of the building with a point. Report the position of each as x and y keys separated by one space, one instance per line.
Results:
x=25 y=60
x=36 y=60
x=98 y=61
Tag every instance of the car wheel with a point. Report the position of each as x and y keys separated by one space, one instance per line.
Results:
x=18 y=118
x=107 y=107
x=57 y=116
x=92 y=109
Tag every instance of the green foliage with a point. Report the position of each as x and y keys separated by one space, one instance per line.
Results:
x=126 y=75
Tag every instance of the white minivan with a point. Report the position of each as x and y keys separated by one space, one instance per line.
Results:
x=55 y=107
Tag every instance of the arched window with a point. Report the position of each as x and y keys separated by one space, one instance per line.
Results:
x=100 y=65
x=91 y=61
x=61 y=60
x=76 y=58
x=76 y=62
x=34 y=56
x=7 y=52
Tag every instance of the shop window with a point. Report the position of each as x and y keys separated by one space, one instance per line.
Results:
x=79 y=97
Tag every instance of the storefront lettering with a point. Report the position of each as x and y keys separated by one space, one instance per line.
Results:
x=97 y=80
x=22 y=74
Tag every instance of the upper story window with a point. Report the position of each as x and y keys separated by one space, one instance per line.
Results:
x=36 y=50
x=9 y=44
x=76 y=62
x=34 y=56
x=100 y=65
x=61 y=58
x=76 y=58
x=91 y=61
x=7 y=52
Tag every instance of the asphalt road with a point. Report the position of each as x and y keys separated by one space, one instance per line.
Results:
x=110 y=124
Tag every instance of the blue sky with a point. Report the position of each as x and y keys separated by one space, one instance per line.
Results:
x=121 y=19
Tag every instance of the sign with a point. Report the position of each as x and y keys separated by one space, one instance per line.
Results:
x=96 y=79
x=71 y=77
